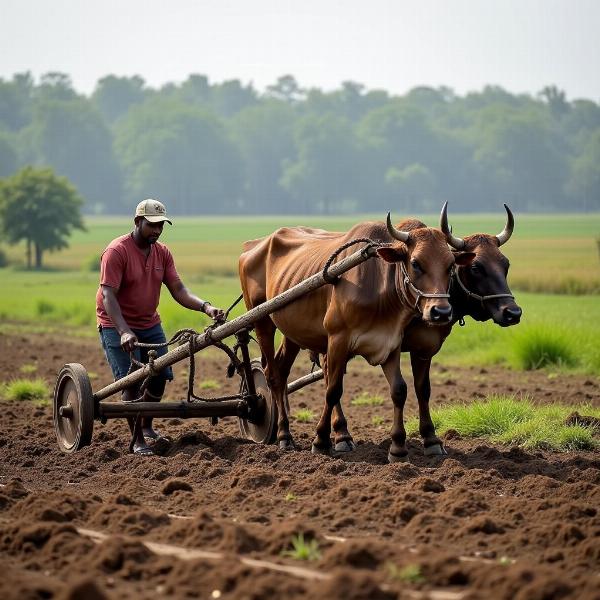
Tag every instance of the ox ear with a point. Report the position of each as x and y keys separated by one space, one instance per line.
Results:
x=393 y=254
x=463 y=258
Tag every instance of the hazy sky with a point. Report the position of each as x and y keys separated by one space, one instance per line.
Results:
x=521 y=45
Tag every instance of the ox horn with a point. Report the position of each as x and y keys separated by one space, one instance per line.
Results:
x=456 y=242
x=504 y=236
x=402 y=236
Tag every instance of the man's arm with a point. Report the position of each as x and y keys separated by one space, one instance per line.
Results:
x=113 y=310
x=182 y=295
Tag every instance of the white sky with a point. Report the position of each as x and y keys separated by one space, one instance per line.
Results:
x=521 y=45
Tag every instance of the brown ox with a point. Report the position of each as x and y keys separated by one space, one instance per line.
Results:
x=478 y=289
x=364 y=314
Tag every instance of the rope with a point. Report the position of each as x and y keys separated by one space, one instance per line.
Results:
x=477 y=297
x=182 y=336
x=417 y=292
x=370 y=244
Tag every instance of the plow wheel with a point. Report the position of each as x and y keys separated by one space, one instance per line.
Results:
x=263 y=428
x=73 y=408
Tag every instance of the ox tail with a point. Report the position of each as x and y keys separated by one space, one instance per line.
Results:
x=314 y=358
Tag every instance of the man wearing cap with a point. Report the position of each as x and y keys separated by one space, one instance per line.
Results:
x=133 y=268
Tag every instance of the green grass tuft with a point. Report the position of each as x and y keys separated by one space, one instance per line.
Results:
x=511 y=421
x=44 y=307
x=27 y=389
x=290 y=497
x=209 y=384
x=304 y=415
x=303 y=549
x=28 y=369
x=489 y=417
x=377 y=420
x=539 y=346
x=409 y=573
x=365 y=399
x=576 y=437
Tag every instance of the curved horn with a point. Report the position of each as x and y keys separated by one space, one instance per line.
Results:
x=396 y=233
x=456 y=242
x=504 y=236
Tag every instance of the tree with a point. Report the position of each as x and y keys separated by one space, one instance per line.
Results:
x=8 y=155
x=584 y=183
x=325 y=175
x=72 y=137
x=556 y=100
x=264 y=134
x=40 y=208
x=522 y=159
x=55 y=86
x=180 y=153
x=412 y=187
x=114 y=95
x=15 y=101
x=196 y=90
x=231 y=96
x=286 y=89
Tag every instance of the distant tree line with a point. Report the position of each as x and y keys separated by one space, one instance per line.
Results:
x=227 y=148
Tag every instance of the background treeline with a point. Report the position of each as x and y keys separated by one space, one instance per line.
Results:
x=227 y=148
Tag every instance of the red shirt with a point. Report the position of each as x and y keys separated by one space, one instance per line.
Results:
x=136 y=280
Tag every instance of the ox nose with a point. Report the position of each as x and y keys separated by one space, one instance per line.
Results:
x=512 y=315
x=441 y=313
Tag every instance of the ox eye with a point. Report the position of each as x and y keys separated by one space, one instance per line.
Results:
x=476 y=269
x=415 y=265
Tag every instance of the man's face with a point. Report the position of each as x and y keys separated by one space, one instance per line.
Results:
x=150 y=231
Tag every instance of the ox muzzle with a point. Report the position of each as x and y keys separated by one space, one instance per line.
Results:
x=505 y=313
x=438 y=313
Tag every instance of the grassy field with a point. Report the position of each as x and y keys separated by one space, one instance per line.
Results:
x=555 y=253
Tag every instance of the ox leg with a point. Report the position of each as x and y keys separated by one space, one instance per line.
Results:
x=284 y=359
x=336 y=362
x=342 y=439
x=398 y=390
x=420 y=368
x=265 y=333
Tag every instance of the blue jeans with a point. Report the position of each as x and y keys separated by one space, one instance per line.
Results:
x=119 y=360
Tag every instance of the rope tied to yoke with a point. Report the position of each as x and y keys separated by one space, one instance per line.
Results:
x=369 y=244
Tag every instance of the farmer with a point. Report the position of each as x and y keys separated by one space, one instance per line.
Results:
x=133 y=267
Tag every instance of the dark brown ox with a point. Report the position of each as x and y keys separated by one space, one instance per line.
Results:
x=478 y=289
x=364 y=314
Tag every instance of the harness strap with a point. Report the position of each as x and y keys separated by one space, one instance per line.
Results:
x=416 y=291
x=475 y=296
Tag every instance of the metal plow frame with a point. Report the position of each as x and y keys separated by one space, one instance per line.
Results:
x=76 y=406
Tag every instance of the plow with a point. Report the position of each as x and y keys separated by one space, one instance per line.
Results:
x=76 y=406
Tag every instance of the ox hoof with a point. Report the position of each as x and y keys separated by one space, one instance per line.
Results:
x=393 y=458
x=345 y=446
x=435 y=450
x=287 y=445
x=322 y=451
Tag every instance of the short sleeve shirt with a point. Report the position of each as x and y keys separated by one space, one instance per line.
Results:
x=137 y=280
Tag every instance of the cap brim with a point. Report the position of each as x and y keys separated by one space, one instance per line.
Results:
x=158 y=219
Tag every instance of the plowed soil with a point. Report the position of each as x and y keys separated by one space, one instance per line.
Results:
x=214 y=514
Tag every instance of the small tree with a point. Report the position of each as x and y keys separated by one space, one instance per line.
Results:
x=41 y=208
